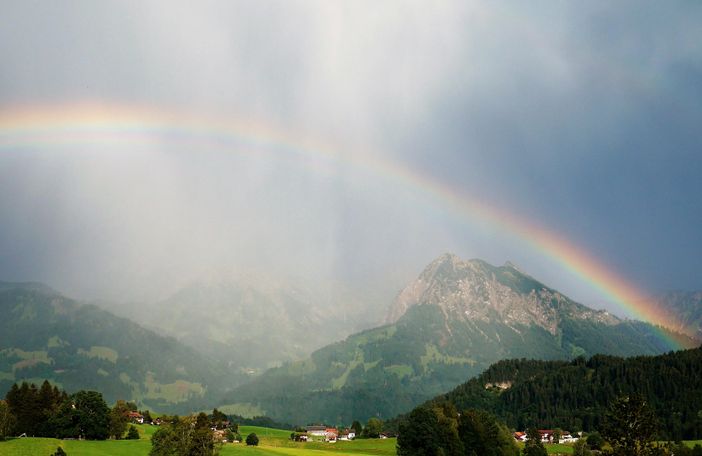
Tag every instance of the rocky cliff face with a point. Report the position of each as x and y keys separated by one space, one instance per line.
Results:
x=479 y=292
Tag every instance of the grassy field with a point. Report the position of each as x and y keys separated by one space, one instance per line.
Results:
x=272 y=442
x=559 y=448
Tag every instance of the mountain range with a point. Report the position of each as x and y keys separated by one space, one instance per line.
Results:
x=206 y=343
x=456 y=319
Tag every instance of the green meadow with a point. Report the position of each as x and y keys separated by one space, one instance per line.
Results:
x=272 y=442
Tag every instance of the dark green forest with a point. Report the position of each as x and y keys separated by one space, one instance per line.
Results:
x=575 y=395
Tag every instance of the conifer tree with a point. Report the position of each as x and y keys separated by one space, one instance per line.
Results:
x=630 y=427
x=533 y=446
x=7 y=420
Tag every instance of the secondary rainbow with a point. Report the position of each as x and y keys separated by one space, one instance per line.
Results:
x=102 y=123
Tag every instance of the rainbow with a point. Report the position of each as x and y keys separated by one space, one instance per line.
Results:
x=100 y=123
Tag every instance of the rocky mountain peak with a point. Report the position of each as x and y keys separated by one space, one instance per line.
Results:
x=476 y=291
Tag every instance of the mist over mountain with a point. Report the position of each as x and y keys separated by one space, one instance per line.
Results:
x=687 y=306
x=451 y=323
x=251 y=322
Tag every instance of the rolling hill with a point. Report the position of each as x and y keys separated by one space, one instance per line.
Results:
x=44 y=335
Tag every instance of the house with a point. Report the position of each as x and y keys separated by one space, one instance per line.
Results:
x=546 y=435
x=331 y=434
x=135 y=417
x=316 y=431
x=347 y=434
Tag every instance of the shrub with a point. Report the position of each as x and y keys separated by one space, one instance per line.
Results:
x=133 y=433
x=252 y=439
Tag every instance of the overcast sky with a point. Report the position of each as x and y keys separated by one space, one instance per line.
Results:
x=583 y=116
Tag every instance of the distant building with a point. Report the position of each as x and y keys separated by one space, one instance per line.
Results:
x=316 y=431
x=331 y=434
x=136 y=417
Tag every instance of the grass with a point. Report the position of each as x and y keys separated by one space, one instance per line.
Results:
x=45 y=447
x=97 y=351
x=272 y=442
x=554 y=448
x=559 y=448
x=264 y=433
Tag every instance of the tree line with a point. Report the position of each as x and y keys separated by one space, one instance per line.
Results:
x=47 y=411
x=629 y=428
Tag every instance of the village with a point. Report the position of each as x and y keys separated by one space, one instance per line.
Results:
x=549 y=436
x=322 y=433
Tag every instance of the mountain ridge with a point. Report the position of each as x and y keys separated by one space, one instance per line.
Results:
x=459 y=286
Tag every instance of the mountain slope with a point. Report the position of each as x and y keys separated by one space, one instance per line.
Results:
x=575 y=395
x=457 y=318
x=44 y=335
x=252 y=323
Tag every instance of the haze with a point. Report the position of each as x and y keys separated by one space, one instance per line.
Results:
x=583 y=117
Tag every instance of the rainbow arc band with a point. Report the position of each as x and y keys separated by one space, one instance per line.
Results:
x=100 y=123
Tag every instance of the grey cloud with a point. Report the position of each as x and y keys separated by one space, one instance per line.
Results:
x=559 y=112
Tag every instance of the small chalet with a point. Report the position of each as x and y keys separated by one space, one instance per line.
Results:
x=316 y=431
x=347 y=434
x=136 y=417
x=520 y=436
x=331 y=434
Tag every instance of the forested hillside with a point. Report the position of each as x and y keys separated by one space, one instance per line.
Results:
x=575 y=395
x=44 y=335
